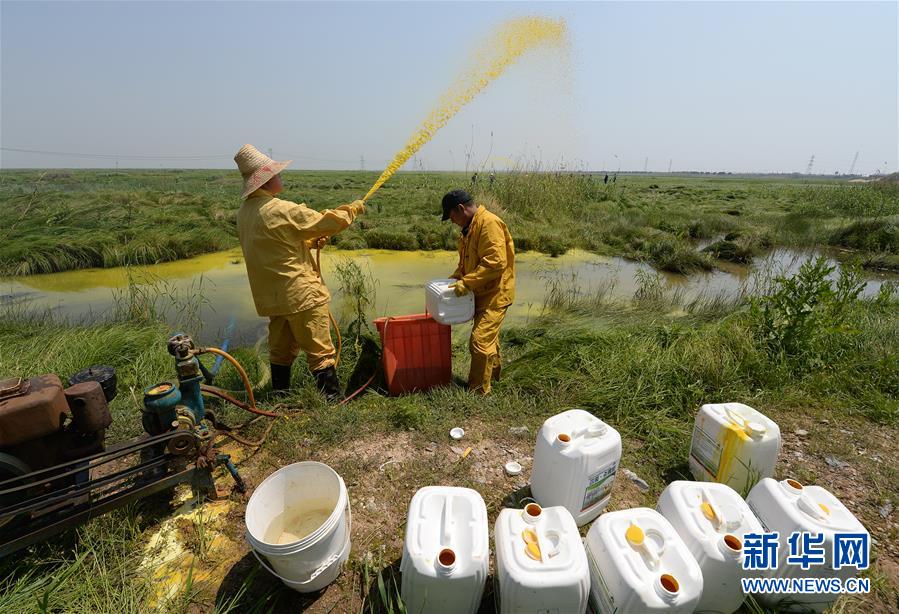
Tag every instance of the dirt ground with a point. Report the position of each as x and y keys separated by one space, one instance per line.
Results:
x=853 y=460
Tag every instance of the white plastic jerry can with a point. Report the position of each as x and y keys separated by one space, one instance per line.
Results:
x=444 y=306
x=575 y=461
x=787 y=506
x=711 y=519
x=540 y=562
x=733 y=444
x=446 y=552
x=638 y=563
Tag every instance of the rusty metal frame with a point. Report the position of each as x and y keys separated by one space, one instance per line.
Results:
x=69 y=505
x=86 y=511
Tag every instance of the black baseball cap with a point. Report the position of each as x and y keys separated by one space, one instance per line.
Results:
x=452 y=199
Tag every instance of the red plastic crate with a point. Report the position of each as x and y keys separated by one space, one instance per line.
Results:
x=417 y=353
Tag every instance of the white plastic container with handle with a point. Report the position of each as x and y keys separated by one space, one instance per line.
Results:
x=298 y=519
x=575 y=461
x=446 y=552
x=787 y=506
x=443 y=305
x=733 y=444
x=540 y=562
x=638 y=564
x=712 y=520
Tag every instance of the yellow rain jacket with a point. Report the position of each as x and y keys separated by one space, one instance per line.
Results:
x=280 y=265
x=487 y=261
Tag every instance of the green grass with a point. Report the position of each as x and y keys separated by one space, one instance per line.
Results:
x=95 y=570
x=63 y=220
x=869 y=235
x=643 y=366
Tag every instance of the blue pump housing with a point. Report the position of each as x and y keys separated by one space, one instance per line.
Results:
x=160 y=401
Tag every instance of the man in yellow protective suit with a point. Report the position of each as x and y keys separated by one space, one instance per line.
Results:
x=277 y=238
x=487 y=269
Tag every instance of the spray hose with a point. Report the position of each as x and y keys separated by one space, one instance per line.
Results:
x=250 y=405
x=318 y=269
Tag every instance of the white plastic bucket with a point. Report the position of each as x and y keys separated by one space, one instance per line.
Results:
x=712 y=519
x=786 y=507
x=296 y=494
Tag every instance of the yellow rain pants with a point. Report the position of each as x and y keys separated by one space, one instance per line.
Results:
x=484 y=348
x=308 y=330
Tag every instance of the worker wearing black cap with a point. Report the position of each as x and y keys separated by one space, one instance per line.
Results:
x=486 y=269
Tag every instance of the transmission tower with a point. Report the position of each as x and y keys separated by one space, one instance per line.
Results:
x=645 y=164
x=361 y=163
x=852 y=166
x=811 y=163
x=670 y=160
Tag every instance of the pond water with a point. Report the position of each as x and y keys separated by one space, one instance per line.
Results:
x=399 y=279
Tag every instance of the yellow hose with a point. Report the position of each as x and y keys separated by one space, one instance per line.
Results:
x=318 y=269
x=243 y=374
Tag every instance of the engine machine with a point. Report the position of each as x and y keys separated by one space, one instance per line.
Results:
x=56 y=470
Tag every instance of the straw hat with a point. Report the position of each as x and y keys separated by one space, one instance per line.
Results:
x=256 y=168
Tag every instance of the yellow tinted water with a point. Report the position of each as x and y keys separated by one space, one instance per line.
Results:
x=508 y=43
x=295 y=523
x=400 y=278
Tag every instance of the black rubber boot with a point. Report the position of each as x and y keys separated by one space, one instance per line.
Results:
x=280 y=377
x=327 y=383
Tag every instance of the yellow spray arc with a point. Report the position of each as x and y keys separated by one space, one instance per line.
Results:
x=509 y=42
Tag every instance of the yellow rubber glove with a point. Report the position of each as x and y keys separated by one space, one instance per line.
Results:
x=460 y=288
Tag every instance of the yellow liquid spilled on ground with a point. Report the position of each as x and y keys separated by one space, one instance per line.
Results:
x=295 y=523
x=511 y=40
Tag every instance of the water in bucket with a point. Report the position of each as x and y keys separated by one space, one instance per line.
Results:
x=295 y=523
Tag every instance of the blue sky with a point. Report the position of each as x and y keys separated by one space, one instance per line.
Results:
x=734 y=86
